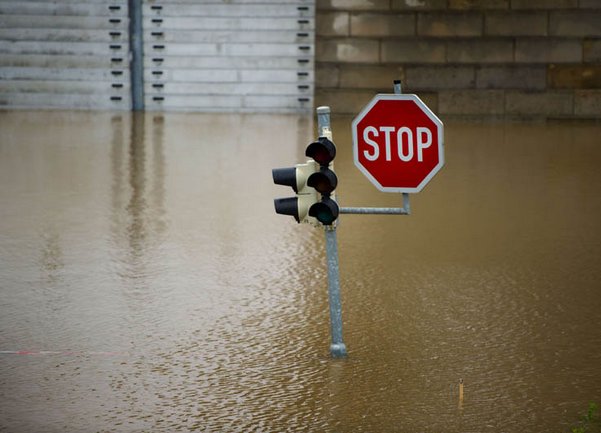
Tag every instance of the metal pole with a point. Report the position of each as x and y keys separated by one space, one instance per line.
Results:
x=337 y=347
x=136 y=66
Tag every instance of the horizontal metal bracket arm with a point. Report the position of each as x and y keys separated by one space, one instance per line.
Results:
x=405 y=210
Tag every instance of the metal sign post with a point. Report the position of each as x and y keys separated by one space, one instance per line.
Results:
x=337 y=347
x=397 y=144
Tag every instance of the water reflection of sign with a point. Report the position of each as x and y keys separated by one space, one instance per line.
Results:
x=398 y=143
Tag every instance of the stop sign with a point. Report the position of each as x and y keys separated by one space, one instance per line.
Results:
x=398 y=143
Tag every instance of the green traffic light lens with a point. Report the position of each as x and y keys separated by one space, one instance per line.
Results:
x=325 y=218
x=325 y=211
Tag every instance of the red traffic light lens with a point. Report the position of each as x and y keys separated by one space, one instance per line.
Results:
x=323 y=151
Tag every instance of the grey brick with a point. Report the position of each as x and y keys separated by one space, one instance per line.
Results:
x=478 y=4
x=539 y=103
x=351 y=101
x=416 y=51
x=544 y=4
x=575 y=23
x=587 y=103
x=512 y=77
x=471 y=102
x=439 y=77
x=430 y=99
x=370 y=76
x=480 y=51
x=343 y=101
x=370 y=5
x=515 y=24
x=574 y=76
x=347 y=50
x=332 y=24
x=589 y=4
x=370 y=24
x=548 y=51
x=444 y=25
x=419 y=4
x=591 y=50
x=327 y=75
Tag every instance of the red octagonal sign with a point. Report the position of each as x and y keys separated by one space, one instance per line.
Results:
x=398 y=143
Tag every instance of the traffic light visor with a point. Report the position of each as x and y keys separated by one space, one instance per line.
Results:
x=287 y=206
x=285 y=176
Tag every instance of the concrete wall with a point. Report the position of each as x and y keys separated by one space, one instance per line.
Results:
x=464 y=58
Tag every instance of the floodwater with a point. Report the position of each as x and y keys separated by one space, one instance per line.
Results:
x=146 y=284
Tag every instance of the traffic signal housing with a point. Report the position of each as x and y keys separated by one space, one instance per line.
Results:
x=324 y=180
x=313 y=182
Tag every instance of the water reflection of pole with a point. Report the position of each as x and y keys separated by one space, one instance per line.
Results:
x=337 y=348
x=138 y=187
x=158 y=163
x=137 y=181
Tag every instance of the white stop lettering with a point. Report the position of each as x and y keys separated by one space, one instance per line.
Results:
x=408 y=142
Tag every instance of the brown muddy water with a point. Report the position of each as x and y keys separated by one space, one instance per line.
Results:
x=147 y=285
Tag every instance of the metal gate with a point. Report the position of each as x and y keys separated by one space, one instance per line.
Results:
x=64 y=54
x=224 y=56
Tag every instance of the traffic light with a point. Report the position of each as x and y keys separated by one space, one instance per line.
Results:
x=313 y=182
x=324 y=180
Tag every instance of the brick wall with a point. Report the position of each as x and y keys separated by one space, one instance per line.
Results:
x=464 y=58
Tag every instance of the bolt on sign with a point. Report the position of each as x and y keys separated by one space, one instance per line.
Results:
x=398 y=143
